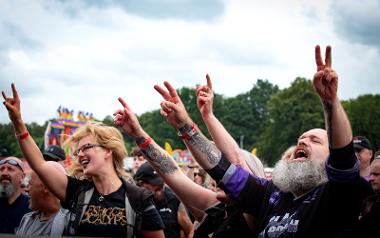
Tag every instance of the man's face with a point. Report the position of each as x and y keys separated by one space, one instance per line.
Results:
x=138 y=160
x=11 y=177
x=36 y=191
x=302 y=168
x=312 y=145
x=364 y=156
x=374 y=176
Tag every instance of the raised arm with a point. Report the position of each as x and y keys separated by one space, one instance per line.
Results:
x=325 y=82
x=222 y=139
x=56 y=182
x=194 y=196
x=203 y=150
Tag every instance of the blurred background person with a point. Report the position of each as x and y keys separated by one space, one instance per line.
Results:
x=13 y=202
x=47 y=217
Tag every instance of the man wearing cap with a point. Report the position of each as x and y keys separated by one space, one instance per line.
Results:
x=171 y=210
x=47 y=217
x=13 y=203
x=364 y=153
x=54 y=153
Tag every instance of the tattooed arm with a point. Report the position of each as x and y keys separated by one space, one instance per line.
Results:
x=194 y=196
x=325 y=83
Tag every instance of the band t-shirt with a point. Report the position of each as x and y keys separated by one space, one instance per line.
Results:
x=105 y=215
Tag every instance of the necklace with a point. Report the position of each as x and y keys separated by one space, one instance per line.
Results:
x=101 y=197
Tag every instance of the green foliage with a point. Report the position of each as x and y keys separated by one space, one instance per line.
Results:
x=364 y=116
x=291 y=112
x=268 y=118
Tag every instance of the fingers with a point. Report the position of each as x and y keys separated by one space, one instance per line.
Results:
x=318 y=57
x=172 y=91
x=170 y=106
x=163 y=92
x=4 y=96
x=119 y=111
x=165 y=108
x=125 y=105
x=209 y=84
x=14 y=91
x=328 y=57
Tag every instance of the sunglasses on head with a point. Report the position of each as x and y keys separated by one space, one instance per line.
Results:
x=12 y=162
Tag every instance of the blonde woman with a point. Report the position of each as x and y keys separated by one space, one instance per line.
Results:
x=103 y=204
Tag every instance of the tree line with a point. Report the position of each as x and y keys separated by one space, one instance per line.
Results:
x=265 y=118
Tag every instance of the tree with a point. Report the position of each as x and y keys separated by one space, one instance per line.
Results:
x=364 y=116
x=291 y=112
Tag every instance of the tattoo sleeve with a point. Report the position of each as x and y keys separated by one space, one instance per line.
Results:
x=205 y=146
x=160 y=160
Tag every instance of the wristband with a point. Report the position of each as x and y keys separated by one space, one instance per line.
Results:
x=146 y=143
x=188 y=134
x=22 y=136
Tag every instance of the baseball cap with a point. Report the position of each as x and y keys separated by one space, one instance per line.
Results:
x=147 y=174
x=361 y=142
x=54 y=153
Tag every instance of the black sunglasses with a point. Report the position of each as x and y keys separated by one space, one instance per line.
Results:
x=12 y=162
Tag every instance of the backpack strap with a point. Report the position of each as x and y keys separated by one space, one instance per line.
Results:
x=131 y=217
x=135 y=198
x=80 y=207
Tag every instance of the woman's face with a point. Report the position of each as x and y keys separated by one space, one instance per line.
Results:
x=91 y=155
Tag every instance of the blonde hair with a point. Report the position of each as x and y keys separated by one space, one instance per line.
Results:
x=106 y=136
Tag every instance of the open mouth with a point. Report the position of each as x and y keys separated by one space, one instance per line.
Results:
x=301 y=154
x=84 y=162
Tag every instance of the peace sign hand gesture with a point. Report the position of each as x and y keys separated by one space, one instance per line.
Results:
x=13 y=105
x=325 y=80
x=172 y=108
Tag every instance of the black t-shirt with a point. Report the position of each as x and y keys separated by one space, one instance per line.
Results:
x=325 y=211
x=106 y=216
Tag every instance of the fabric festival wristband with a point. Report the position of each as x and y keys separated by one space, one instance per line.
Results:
x=22 y=136
x=187 y=135
x=146 y=143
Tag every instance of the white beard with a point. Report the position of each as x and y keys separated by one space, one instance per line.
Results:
x=298 y=176
x=6 y=190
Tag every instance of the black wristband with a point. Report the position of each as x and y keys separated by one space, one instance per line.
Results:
x=220 y=169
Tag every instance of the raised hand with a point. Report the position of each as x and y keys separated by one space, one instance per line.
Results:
x=172 y=108
x=205 y=98
x=126 y=119
x=325 y=80
x=12 y=104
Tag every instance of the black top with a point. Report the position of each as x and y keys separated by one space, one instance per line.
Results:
x=106 y=216
x=11 y=214
x=168 y=210
x=325 y=211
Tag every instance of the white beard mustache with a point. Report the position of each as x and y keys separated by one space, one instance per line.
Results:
x=6 y=190
x=298 y=176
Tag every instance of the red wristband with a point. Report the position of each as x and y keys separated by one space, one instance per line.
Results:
x=22 y=135
x=187 y=135
x=146 y=143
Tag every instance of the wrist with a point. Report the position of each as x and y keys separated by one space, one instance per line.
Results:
x=187 y=131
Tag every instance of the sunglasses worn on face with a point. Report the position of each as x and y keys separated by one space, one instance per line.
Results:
x=12 y=162
x=84 y=148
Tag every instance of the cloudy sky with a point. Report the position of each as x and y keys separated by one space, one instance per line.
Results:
x=84 y=54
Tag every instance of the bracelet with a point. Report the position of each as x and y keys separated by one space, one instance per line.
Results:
x=146 y=143
x=22 y=136
x=187 y=135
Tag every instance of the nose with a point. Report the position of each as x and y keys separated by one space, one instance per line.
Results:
x=302 y=141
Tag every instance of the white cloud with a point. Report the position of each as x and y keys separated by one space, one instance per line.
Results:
x=83 y=57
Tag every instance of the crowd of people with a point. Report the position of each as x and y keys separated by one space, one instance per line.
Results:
x=327 y=185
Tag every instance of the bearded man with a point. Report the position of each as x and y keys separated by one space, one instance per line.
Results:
x=317 y=191
x=13 y=203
